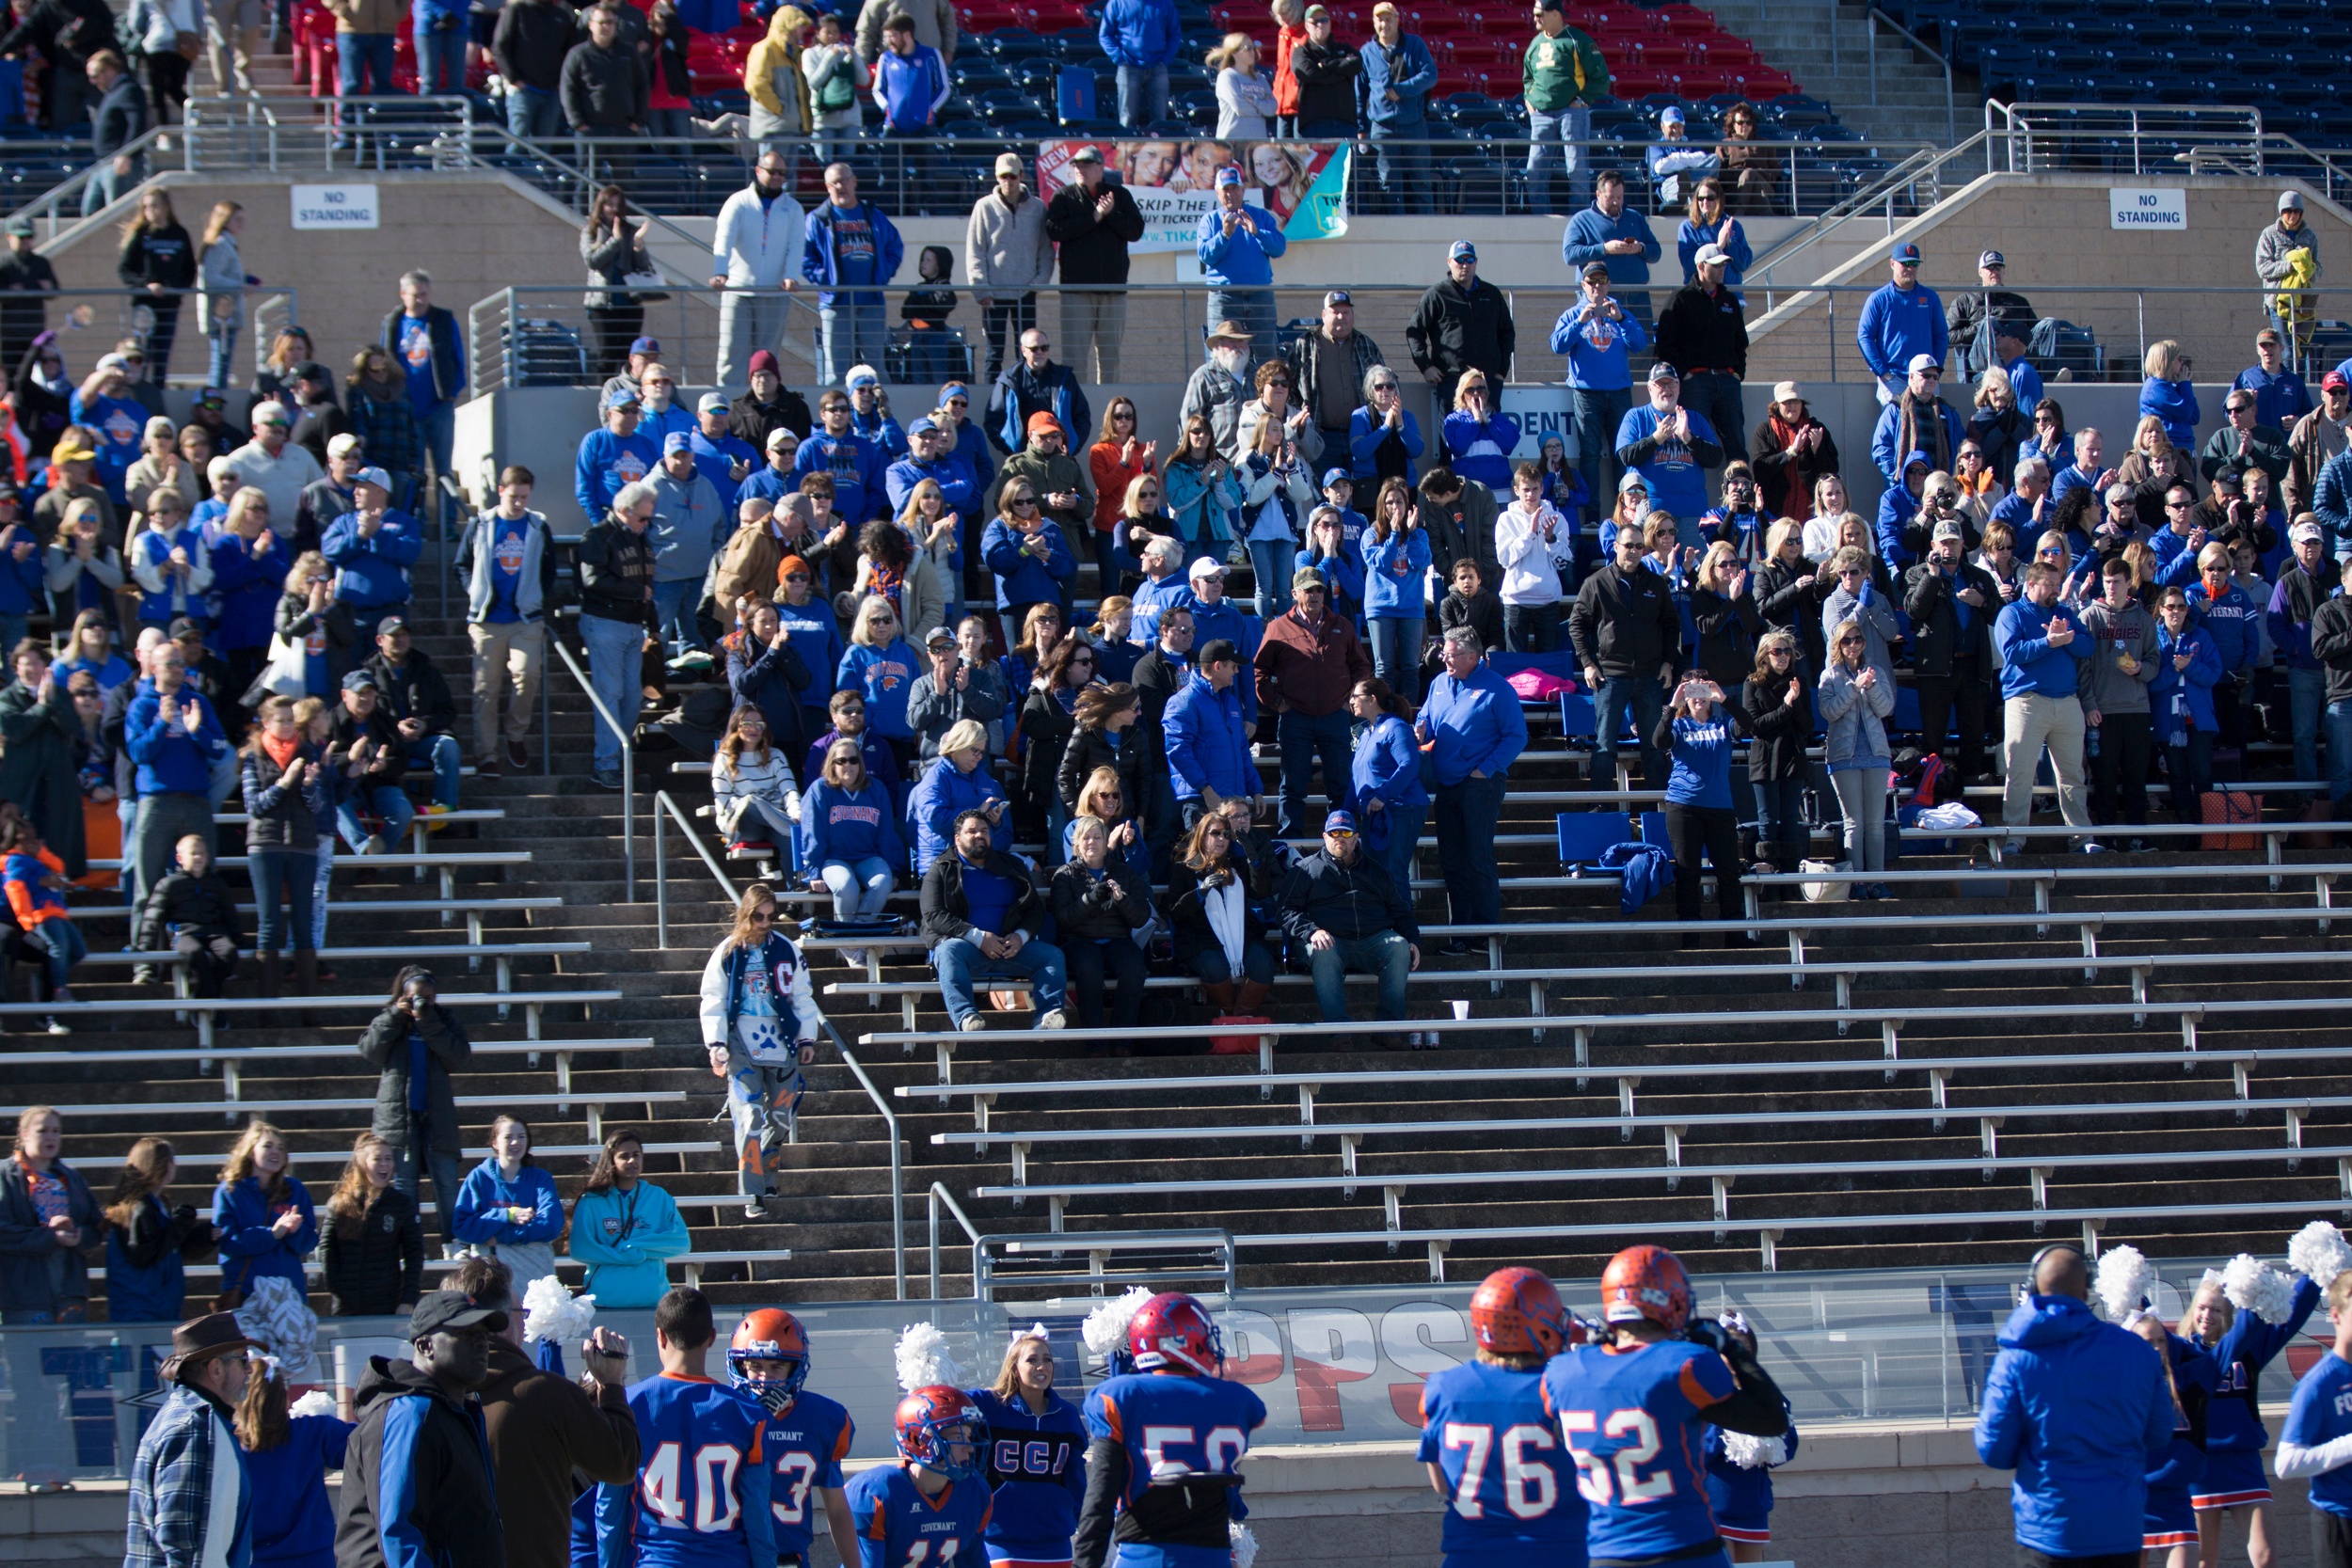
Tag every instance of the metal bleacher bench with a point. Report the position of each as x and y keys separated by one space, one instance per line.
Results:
x=421 y=830
x=501 y=953
x=448 y=864
x=234 y=1059
x=233 y=1109
x=2042 y=879
x=694 y=1263
x=473 y=908
x=208 y=1009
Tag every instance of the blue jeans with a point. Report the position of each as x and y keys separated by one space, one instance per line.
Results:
x=220 y=365
x=2338 y=750
x=105 y=188
x=1142 y=95
x=1466 y=814
x=534 y=114
x=1641 y=699
x=1303 y=738
x=1531 y=628
x=1396 y=856
x=1780 y=819
x=861 y=888
x=390 y=802
x=615 y=660
x=445 y=1171
x=1551 y=143
x=1270 y=563
x=851 y=331
x=1387 y=955
x=1253 y=308
x=1404 y=171
x=440 y=58
x=439 y=430
x=281 y=881
x=961 y=964
x=441 y=753
x=1597 y=415
x=673 y=607
x=362 y=58
x=1396 y=652
x=2306 y=693
x=64 y=944
x=318 y=891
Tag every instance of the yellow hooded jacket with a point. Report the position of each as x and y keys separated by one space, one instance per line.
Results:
x=775 y=62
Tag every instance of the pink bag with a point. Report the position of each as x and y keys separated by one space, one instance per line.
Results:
x=1538 y=685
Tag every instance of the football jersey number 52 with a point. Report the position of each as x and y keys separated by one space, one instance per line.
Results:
x=1592 y=1470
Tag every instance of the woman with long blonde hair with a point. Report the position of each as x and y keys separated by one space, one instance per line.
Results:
x=374 y=1237
x=157 y=264
x=1037 y=1503
x=267 y=1229
x=759 y=1020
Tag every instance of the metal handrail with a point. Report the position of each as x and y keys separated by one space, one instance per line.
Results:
x=1927 y=165
x=628 y=765
x=45 y=204
x=1870 y=36
x=662 y=802
x=940 y=1195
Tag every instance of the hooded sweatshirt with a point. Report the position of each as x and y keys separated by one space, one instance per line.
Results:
x=417 y=1490
x=2079 y=1409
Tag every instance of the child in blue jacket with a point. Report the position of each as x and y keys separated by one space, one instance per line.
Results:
x=2180 y=701
x=508 y=1208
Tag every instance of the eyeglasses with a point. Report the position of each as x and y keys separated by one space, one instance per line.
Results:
x=1849 y=642
x=1384 y=386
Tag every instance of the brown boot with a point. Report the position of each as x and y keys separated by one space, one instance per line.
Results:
x=307 y=982
x=1221 y=996
x=266 y=985
x=1253 y=997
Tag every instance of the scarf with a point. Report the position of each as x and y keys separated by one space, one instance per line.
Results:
x=280 y=751
x=1225 y=909
x=886 y=580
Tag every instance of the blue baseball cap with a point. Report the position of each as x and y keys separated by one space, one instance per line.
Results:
x=922 y=426
x=1463 y=251
x=677 y=440
x=1340 y=822
x=620 y=397
x=1906 y=253
x=1337 y=476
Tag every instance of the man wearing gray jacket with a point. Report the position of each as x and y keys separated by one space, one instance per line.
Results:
x=507 y=563
x=2115 y=698
x=1006 y=259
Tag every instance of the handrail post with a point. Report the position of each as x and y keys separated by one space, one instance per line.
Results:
x=629 y=771
x=661 y=889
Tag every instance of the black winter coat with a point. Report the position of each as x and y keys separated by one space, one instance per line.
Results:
x=385 y=1048
x=1777 y=731
x=1109 y=907
x=377 y=1268
x=1727 y=632
x=442 y=1463
x=1787 y=603
x=1093 y=249
x=1456 y=329
x=1625 y=623
x=204 y=904
x=1188 y=919
x=1090 y=748
x=1936 y=641
x=415 y=690
x=946 y=912
x=35 y=1272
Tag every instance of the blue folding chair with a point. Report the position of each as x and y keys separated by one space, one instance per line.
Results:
x=1654 y=828
x=1584 y=835
x=1579 y=720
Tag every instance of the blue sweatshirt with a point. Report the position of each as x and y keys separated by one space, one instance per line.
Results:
x=156 y=1294
x=1598 y=350
x=293 y=1526
x=2021 y=636
x=2322 y=1412
x=1702 y=762
x=625 y=1240
x=1898 y=322
x=910 y=87
x=2175 y=403
x=373 y=573
x=1474 y=725
x=1481 y=451
x=247 y=587
x=1141 y=33
x=1037 y=1467
x=175 y=758
x=2230 y=621
x=1395 y=569
x=859 y=492
x=1591 y=229
x=1408 y=71
x=886 y=675
x=1025 y=578
x=21 y=584
x=606 y=463
x=1241 y=258
x=2193 y=686
x=1387 y=765
x=943 y=793
x=247 y=1249
x=1678 y=485
x=839 y=826
x=816 y=636
x=480 y=1216
x=2233 y=1422
x=2279 y=400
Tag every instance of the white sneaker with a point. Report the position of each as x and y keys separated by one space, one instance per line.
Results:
x=375 y=845
x=56 y=1028
x=1412 y=1041
x=974 y=1025
x=1055 y=1020
x=853 y=957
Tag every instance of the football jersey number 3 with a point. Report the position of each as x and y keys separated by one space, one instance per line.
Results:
x=1529 y=1490
x=797 y=1471
x=1592 y=1470
x=715 y=1464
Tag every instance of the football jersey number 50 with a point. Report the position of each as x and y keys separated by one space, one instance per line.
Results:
x=1218 y=1451
x=1592 y=1470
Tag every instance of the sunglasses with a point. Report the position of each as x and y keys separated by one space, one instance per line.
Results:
x=796 y=576
x=1339 y=833
x=1384 y=386
x=762 y=917
x=1849 y=642
x=1022 y=500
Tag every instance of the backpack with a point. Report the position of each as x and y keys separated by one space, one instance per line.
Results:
x=838 y=90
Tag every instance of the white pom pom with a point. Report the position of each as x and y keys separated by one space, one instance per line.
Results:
x=1105 y=1328
x=923 y=1359
x=2121 y=1282
x=551 y=1312
x=2254 y=1286
x=1754 y=1453
x=1244 y=1543
x=2319 y=1253
x=318 y=1402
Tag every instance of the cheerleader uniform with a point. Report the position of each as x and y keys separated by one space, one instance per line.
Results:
x=1741 y=1498
x=2176 y=1475
x=2234 y=1434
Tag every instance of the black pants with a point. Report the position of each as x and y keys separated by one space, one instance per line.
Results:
x=1090 y=963
x=1943 y=698
x=1715 y=830
x=2230 y=702
x=616 y=326
x=1019 y=313
x=2331 y=1539
x=2121 y=766
x=167 y=84
x=2028 y=1557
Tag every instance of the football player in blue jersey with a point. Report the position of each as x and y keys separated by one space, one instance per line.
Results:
x=930 y=1509
x=1035 y=1455
x=1739 y=1473
x=701 y=1498
x=1630 y=1410
x=2241 y=1344
x=1492 y=1450
x=1164 y=1443
x=808 y=1435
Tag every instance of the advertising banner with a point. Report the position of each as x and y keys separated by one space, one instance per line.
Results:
x=1304 y=184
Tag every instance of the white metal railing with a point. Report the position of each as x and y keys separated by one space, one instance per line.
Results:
x=628 y=762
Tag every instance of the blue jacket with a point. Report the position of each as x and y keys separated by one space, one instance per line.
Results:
x=293 y=1526
x=2194 y=684
x=487 y=1189
x=943 y=793
x=820 y=260
x=886 y=675
x=21 y=584
x=1693 y=235
x=247 y=1250
x=838 y=826
x=2021 y=636
x=1885 y=435
x=373 y=573
x=1590 y=229
x=625 y=1240
x=690 y=526
x=1022 y=579
x=1141 y=33
x=1241 y=258
x=1410 y=71
x=1365 y=436
x=2231 y=622
x=1387 y=765
x=173 y=759
x=1474 y=726
x=1481 y=452
x=1598 y=352
x=2332 y=501
x=859 y=492
x=157 y=1294
x=1897 y=324
x=2279 y=400
x=2076 y=1408
x=958 y=484
x=715 y=461
x=1394 y=571
x=1206 y=746
x=247 y=587
x=607 y=462
x=910 y=87
x=2175 y=403
x=2026 y=381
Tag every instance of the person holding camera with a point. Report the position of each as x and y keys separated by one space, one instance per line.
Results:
x=1099 y=903
x=1696 y=733
x=1951 y=603
x=415 y=1045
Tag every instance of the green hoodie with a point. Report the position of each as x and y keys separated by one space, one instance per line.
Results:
x=1560 y=71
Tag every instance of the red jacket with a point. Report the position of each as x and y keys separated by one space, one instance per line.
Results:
x=1311 y=670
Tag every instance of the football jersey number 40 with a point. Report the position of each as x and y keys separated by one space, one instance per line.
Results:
x=713 y=1481
x=1592 y=1470
x=1529 y=1489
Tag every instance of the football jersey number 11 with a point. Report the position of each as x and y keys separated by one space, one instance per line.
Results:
x=920 y=1552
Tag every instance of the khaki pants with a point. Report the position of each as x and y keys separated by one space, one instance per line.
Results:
x=2028 y=723
x=1097 y=322
x=520 y=647
x=232 y=31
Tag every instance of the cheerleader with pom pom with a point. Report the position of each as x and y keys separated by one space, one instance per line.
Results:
x=1035 y=1456
x=2171 y=1526
x=2243 y=1316
x=288 y=1452
x=1739 y=1473
x=2316 y=1440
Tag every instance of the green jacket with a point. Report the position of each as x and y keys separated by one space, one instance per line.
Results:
x=1560 y=71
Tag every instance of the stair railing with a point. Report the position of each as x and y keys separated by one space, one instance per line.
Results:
x=629 y=765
